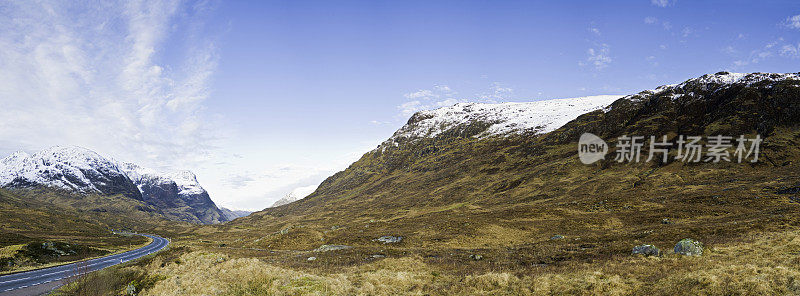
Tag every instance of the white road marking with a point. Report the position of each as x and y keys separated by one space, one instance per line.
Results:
x=158 y=244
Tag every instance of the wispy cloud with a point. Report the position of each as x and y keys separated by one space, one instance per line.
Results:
x=95 y=75
x=598 y=57
x=652 y=60
x=790 y=51
x=662 y=3
x=424 y=99
x=778 y=48
x=497 y=93
x=687 y=31
x=651 y=20
x=792 y=22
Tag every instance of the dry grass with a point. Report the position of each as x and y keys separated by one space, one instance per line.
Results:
x=761 y=265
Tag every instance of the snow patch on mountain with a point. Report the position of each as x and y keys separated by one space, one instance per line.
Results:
x=185 y=180
x=505 y=118
x=721 y=78
x=296 y=194
x=67 y=167
x=80 y=169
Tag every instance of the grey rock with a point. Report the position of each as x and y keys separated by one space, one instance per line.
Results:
x=689 y=247
x=557 y=236
x=476 y=257
x=311 y=258
x=326 y=248
x=646 y=250
x=387 y=239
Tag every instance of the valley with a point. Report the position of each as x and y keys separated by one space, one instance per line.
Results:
x=484 y=199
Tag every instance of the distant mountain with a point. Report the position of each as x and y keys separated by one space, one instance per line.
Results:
x=233 y=214
x=178 y=196
x=296 y=194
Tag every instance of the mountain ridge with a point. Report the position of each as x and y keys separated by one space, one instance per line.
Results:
x=460 y=186
x=178 y=195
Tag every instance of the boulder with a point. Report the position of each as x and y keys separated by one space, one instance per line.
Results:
x=387 y=239
x=326 y=248
x=646 y=250
x=689 y=247
x=557 y=236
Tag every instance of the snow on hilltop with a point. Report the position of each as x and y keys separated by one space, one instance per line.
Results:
x=296 y=194
x=66 y=167
x=185 y=180
x=503 y=119
x=82 y=170
x=717 y=79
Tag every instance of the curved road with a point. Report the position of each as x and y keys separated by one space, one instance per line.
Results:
x=52 y=275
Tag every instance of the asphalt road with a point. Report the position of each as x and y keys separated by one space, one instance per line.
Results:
x=52 y=276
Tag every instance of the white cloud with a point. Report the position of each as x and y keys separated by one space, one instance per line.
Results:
x=238 y=181
x=729 y=50
x=595 y=31
x=662 y=3
x=599 y=58
x=409 y=108
x=687 y=31
x=497 y=93
x=420 y=94
x=652 y=60
x=424 y=99
x=651 y=20
x=790 y=51
x=94 y=75
x=792 y=22
x=778 y=48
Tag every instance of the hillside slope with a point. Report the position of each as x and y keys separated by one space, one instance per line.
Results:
x=464 y=188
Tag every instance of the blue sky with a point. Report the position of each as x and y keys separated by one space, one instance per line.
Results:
x=262 y=97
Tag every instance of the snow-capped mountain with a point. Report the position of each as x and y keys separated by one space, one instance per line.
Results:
x=296 y=194
x=694 y=86
x=497 y=119
x=72 y=168
x=177 y=195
